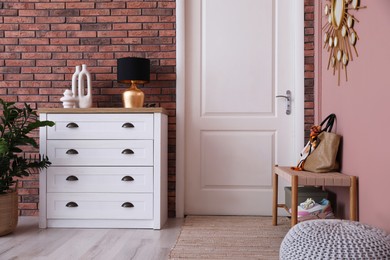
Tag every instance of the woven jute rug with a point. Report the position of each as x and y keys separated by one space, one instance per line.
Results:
x=230 y=237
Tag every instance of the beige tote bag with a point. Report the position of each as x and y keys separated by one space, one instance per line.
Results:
x=324 y=158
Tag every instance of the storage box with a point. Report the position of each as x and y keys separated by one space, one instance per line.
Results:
x=317 y=194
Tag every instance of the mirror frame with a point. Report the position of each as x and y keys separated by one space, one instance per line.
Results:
x=333 y=13
x=340 y=36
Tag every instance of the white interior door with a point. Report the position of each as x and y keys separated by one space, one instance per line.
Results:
x=239 y=55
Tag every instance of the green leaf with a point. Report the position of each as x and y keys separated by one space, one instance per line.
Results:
x=16 y=150
x=3 y=147
x=38 y=124
x=15 y=127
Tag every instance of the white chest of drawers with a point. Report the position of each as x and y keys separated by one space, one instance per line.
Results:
x=109 y=168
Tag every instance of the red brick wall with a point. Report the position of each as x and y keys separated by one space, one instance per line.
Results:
x=41 y=42
x=309 y=66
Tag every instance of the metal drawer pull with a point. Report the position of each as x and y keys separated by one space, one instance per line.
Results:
x=72 y=178
x=127 y=205
x=72 y=151
x=127 y=178
x=71 y=204
x=127 y=151
x=72 y=125
x=128 y=125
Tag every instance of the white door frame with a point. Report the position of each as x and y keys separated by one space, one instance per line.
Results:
x=180 y=93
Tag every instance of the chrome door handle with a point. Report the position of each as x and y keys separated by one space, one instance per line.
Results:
x=288 y=101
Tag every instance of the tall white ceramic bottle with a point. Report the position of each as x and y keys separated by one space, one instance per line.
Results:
x=74 y=85
x=85 y=100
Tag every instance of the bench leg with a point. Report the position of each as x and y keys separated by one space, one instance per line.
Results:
x=353 y=199
x=294 y=200
x=275 y=200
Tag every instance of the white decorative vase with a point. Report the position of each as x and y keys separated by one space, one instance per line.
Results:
x=74 y=86
x=85 y=101
x=68 y=100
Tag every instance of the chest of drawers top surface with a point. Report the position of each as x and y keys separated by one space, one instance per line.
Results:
x=107 y=110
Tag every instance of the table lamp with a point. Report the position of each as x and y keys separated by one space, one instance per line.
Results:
x=133 y=71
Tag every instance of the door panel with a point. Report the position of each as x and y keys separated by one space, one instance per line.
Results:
x=226 y=162
x=239 y=56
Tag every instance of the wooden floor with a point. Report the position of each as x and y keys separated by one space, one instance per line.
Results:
x=30 y=242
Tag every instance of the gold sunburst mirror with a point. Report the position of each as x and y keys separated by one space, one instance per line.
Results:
x=340 y=36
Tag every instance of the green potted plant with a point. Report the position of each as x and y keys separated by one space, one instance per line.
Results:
x=16 y=125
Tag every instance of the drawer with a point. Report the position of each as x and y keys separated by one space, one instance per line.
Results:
x=99 y=206
x=100 y=126
x=100 y=152
x=99 y=179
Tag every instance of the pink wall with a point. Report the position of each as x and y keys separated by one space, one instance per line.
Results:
x=362 y=106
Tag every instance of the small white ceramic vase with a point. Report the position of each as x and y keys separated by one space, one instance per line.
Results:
x=68 y=100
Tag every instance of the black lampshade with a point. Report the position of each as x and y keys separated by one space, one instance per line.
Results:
x=131 y=68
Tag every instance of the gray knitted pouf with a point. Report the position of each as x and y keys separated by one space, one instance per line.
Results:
x=334 y=239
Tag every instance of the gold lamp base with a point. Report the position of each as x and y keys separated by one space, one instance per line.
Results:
x=133 y=97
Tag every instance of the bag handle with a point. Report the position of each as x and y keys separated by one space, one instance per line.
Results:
x=329 y=120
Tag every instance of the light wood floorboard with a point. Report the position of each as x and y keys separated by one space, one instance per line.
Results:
x=30 y=242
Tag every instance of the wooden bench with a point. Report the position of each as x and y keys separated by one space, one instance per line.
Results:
x=303 y=178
